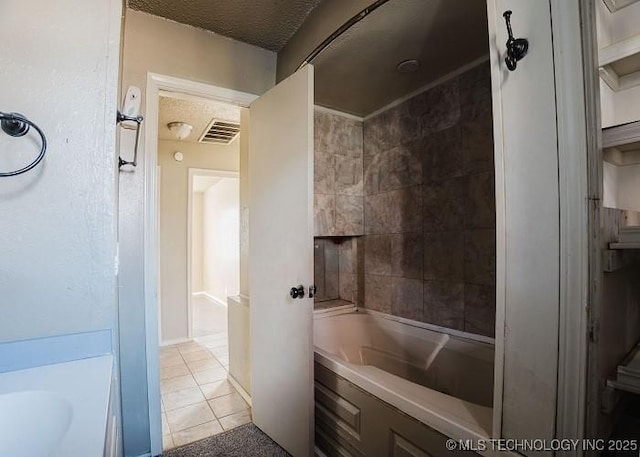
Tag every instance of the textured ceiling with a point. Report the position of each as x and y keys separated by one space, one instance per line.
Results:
x=265 y=23
x=357 y=72
x=196 y=112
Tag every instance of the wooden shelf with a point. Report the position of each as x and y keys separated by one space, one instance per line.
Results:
x=628 y=238
x=621 y=144
x=620 y=64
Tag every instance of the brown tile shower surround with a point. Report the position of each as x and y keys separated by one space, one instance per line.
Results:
x=429 y=206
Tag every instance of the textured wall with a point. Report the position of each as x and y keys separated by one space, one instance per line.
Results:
x=338 y=175
x=58 y=244
x=429 y=244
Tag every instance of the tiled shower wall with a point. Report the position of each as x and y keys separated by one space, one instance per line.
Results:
x=429 y=206
x=338 y=175
x=338 y=207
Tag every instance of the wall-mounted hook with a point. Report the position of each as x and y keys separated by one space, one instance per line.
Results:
x=138 y=120
x=517 y=48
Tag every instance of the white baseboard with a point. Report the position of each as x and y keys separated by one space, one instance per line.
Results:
x=174 y=341
x=243 y=393
x=213 y=299
x=197 y=294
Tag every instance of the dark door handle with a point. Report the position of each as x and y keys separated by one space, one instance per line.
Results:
x=297 y=292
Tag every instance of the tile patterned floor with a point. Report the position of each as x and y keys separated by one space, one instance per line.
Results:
x=197 y=399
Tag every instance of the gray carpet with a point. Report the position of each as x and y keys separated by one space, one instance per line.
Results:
x=244 y=441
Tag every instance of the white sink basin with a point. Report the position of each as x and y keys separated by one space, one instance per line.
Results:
x=32 y=423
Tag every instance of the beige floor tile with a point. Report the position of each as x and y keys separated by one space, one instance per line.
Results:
x=174 y=371
x=209 y=376
x=167 y=442
x=217 y=389
x=228 y=404
x=166 y=351
x=170 y=360
x=208 y=318
x=190 y=347
x=165 y=425
x=213 y=338
x=181 y=398
x=224 y=361
x=235 y=420
x=196 y=433
x=201 y=365
x=178 y=383
x=189 y=416
x=220 y=352
x=201 y=354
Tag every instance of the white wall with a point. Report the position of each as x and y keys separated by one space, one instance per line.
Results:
x=629 y=187
x=197 y=279
x=221 y=240
x=244 y=205
x=624 y=106
x=610 y=187
x=174 y=192
x=58 y=224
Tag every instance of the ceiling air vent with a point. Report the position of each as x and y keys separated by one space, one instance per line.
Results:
x=222 y=132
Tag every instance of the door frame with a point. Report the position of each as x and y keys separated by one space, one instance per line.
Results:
x=156 y=84
x=577 y=124
x=193 y=172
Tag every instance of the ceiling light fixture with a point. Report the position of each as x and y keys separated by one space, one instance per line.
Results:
x=181 y=130
x=408 y=66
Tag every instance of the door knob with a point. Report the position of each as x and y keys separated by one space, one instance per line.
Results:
x=297 y=292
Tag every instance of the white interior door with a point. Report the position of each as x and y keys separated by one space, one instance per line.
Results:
x=281 y=257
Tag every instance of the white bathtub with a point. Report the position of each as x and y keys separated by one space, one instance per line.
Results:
x=444 y=381
x=56 y=410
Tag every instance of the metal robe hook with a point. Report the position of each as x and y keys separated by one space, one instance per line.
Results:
x=138 y=120
x=517 y=48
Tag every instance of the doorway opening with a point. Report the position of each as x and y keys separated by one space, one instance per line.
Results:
x=214 y=251
x=198 y=265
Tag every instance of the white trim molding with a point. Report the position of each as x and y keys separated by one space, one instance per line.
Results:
x=572 y=24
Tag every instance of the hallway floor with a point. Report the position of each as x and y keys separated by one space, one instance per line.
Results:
x=197 y=400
